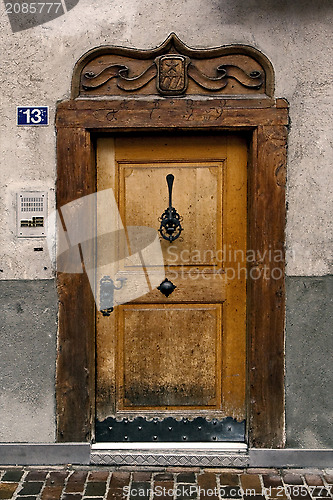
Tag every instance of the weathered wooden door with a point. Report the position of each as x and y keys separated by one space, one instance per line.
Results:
x=173 y=368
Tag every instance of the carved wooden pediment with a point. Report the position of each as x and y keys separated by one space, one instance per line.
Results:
x=173 y=69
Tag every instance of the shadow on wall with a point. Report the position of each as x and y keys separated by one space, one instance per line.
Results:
x=281 y=5
x=29 y=14
x=238 y=9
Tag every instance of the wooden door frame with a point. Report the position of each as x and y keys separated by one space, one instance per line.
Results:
x=265 y=121
x=77 y=122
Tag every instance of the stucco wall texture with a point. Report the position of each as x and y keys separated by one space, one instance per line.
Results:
x=37 y=65
x=28 y=311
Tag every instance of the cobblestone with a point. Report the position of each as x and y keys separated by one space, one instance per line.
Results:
x=110 y=483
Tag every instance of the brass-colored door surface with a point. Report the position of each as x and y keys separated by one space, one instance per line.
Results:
x=181 y=356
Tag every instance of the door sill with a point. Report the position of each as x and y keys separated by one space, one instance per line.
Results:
x=170 y=454
x=225 y=447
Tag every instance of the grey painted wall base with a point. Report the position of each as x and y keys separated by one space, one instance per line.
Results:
x=309 y=353
x=45 y=454
x=28 y=329
x=290 y=458
x=81 y=454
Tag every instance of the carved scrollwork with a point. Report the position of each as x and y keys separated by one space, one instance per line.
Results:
x=173 y=69
x=91 y=80
x=253 y=80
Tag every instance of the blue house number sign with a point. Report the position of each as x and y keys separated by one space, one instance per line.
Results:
x=32 y=115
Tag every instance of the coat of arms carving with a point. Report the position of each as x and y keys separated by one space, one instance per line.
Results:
x=172 y=74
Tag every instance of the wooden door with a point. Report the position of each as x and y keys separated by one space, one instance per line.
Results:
x=173 y=368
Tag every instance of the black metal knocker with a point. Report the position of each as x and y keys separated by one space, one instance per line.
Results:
x=170 y=227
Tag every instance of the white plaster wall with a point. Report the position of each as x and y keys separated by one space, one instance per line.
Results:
x=296 y=36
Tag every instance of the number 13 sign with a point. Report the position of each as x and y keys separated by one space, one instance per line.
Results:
x=32 y=115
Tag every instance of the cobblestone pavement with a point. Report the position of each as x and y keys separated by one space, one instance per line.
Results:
x=93 y=483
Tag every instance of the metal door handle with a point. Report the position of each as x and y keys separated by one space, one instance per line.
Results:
x=107 y=288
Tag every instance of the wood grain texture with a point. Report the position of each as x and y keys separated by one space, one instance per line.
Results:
x=266 y=288
x=266 y=126
x=207 y=285
x=235 y=246
x=75 y=373
x=161 y=114
x=213 y=169
x=105 y=343
x=200 y=204
x=170 y=358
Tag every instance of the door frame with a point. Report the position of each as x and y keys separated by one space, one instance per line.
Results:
x=77 y=122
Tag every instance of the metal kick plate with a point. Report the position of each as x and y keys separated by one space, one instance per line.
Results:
x=170 y=430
